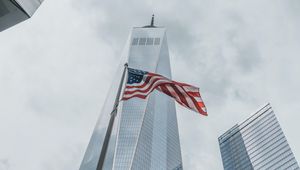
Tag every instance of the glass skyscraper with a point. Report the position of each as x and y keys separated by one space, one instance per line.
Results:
x=257 y=143
x=14 y=11
x=145 y=135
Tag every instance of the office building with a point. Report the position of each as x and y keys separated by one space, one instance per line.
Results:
x=257 y=143
x=13 y=12
x=145 y=135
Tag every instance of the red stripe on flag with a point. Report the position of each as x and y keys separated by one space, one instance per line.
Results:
x=137 y=95
x=194 y=94
x=149 y=88
x=182 y=99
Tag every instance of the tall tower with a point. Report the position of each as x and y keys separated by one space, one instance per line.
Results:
x=146 y=133
x=257 y=143
x=14 y=11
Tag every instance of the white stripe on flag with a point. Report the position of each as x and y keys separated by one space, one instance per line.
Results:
x=150 y=83
x=187 y=98
x=198 y=99
x=191 y=89
x=175 y=95
x=138 y=90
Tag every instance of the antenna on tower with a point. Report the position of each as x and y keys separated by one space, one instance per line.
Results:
x=151 y=24
x=152 y=21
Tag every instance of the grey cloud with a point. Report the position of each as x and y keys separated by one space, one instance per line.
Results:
x=4 y=164
x=249 y=57
x=56 y=68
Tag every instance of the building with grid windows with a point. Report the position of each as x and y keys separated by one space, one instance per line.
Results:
x=257 y=143
x=13 y=12
x=145 y=135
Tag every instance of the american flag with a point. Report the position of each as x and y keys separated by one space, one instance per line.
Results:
x=141 y=83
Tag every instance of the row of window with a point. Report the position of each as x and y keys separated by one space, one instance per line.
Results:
x=257 y=123
x=292 y=164
x=145 y=41
x=228 y=134
x=254 y=117
x=275 y=160
x=249 y=138
x=233 y=146
x=265 y=128
x=265 y=145
x=268 y=131
x=246 y=127
x=265 y=140
x=270 y=159
x=230 y=152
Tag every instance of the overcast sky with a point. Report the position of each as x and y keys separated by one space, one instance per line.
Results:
x=57 y=67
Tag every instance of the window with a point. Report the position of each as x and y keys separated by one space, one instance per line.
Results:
x=3 y=9
x=135 y=41
x=156 y=41
x=149 y=41
x=142 y=41
x=145 y=41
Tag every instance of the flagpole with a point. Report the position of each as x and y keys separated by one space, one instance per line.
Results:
x=111 y=122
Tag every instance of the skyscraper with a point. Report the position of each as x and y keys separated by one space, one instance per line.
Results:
x=257 y=143
x=13 y=12
x=145 y=135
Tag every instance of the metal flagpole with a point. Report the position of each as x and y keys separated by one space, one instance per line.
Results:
x=111 y=123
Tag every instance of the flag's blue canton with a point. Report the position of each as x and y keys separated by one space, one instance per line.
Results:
x=135 y=76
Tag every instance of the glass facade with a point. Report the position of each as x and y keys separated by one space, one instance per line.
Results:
x=257 y=143
x=146 y=133
x=13 y=12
